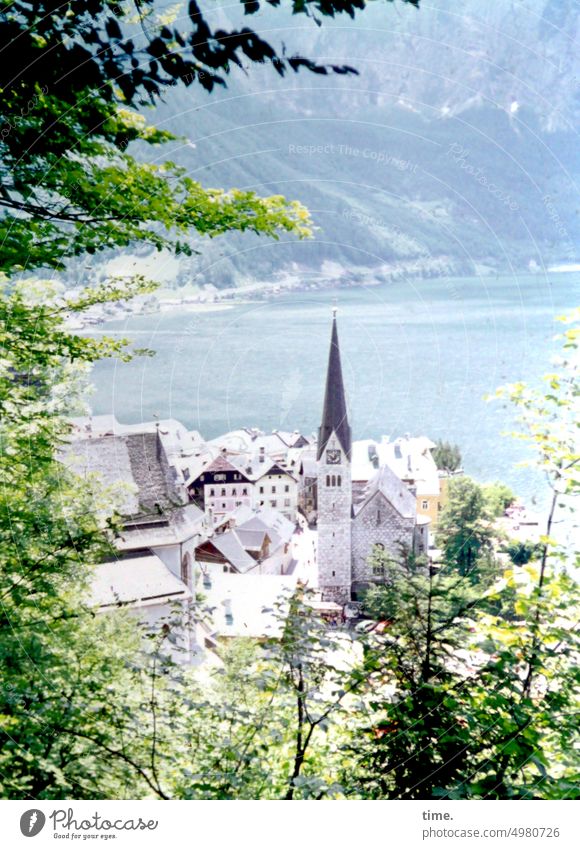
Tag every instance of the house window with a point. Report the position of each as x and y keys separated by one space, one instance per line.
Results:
x=425 y=505
x=261 y=490
x=212 y=492
x=286 y=502
x=334 y=480
x=273 y=502
x=273 y=490
x=223 y=492
x=287 y=488
x=234 y=492
x=340 y=480
x=245 y=491
x=333 y=573
x=238 y=503
x=261 y=503
x=223 y=505
x=378 y=517
x=328 y=480
x=378 y=570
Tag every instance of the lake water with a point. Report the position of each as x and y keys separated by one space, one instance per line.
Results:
x=418 y=358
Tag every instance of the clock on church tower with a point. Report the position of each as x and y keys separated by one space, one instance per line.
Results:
x=333 y=456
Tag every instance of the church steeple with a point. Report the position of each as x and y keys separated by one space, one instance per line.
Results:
x=334 y=415
x=334 y=488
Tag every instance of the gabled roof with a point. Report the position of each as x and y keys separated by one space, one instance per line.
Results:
x=137 y=581
x=108 y=457
x=269 y=467
x=150 y=472
x=277 y=526
x=251 y=440
x=250 y=534
x=251 y=538
x=230 y=546
x=150 y=499
x=386 y=483
x=334 y=415
x=221 y=464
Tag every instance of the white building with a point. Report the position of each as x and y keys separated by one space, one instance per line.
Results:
x=232 y=481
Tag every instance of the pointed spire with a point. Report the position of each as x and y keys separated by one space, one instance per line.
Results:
x=334 y=415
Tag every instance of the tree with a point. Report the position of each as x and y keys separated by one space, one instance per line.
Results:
x=79 y=701
x=381 y=600
x=134 y=52
x=497 y=498
x=415 y=735
x=521 y=553
x=464 y=532
x=473 y=702
x=551 y=424
x=72 y=75
x=447 y=456
x=269 y=724
x=72 y=684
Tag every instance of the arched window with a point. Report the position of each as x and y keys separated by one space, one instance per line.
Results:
x=378 y=563
x=378 y=517
x=186 y=569
x=340 y=480
x=334 y=480
x=328 y=480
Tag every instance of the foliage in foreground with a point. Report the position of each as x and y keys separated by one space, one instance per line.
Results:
x=453 y=699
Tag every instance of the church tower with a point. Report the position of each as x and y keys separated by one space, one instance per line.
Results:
x=334 y=484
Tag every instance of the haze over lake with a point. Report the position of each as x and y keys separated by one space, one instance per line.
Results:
x=418 y=357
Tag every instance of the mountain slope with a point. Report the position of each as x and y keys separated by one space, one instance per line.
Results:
x=455 y=147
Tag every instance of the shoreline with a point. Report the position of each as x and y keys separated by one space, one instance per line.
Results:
x=221 y=300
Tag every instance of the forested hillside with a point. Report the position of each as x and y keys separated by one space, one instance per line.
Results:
x=453 y=148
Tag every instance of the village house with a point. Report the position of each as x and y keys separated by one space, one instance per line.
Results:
x=256 y=541
x=243 y=480
x=154 y=568
x=156 y=573
x=276 y=445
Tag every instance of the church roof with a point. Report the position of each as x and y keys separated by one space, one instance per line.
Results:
x=386 y=482
x=334 y=415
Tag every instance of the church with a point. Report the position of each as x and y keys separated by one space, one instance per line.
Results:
x=350 y=529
